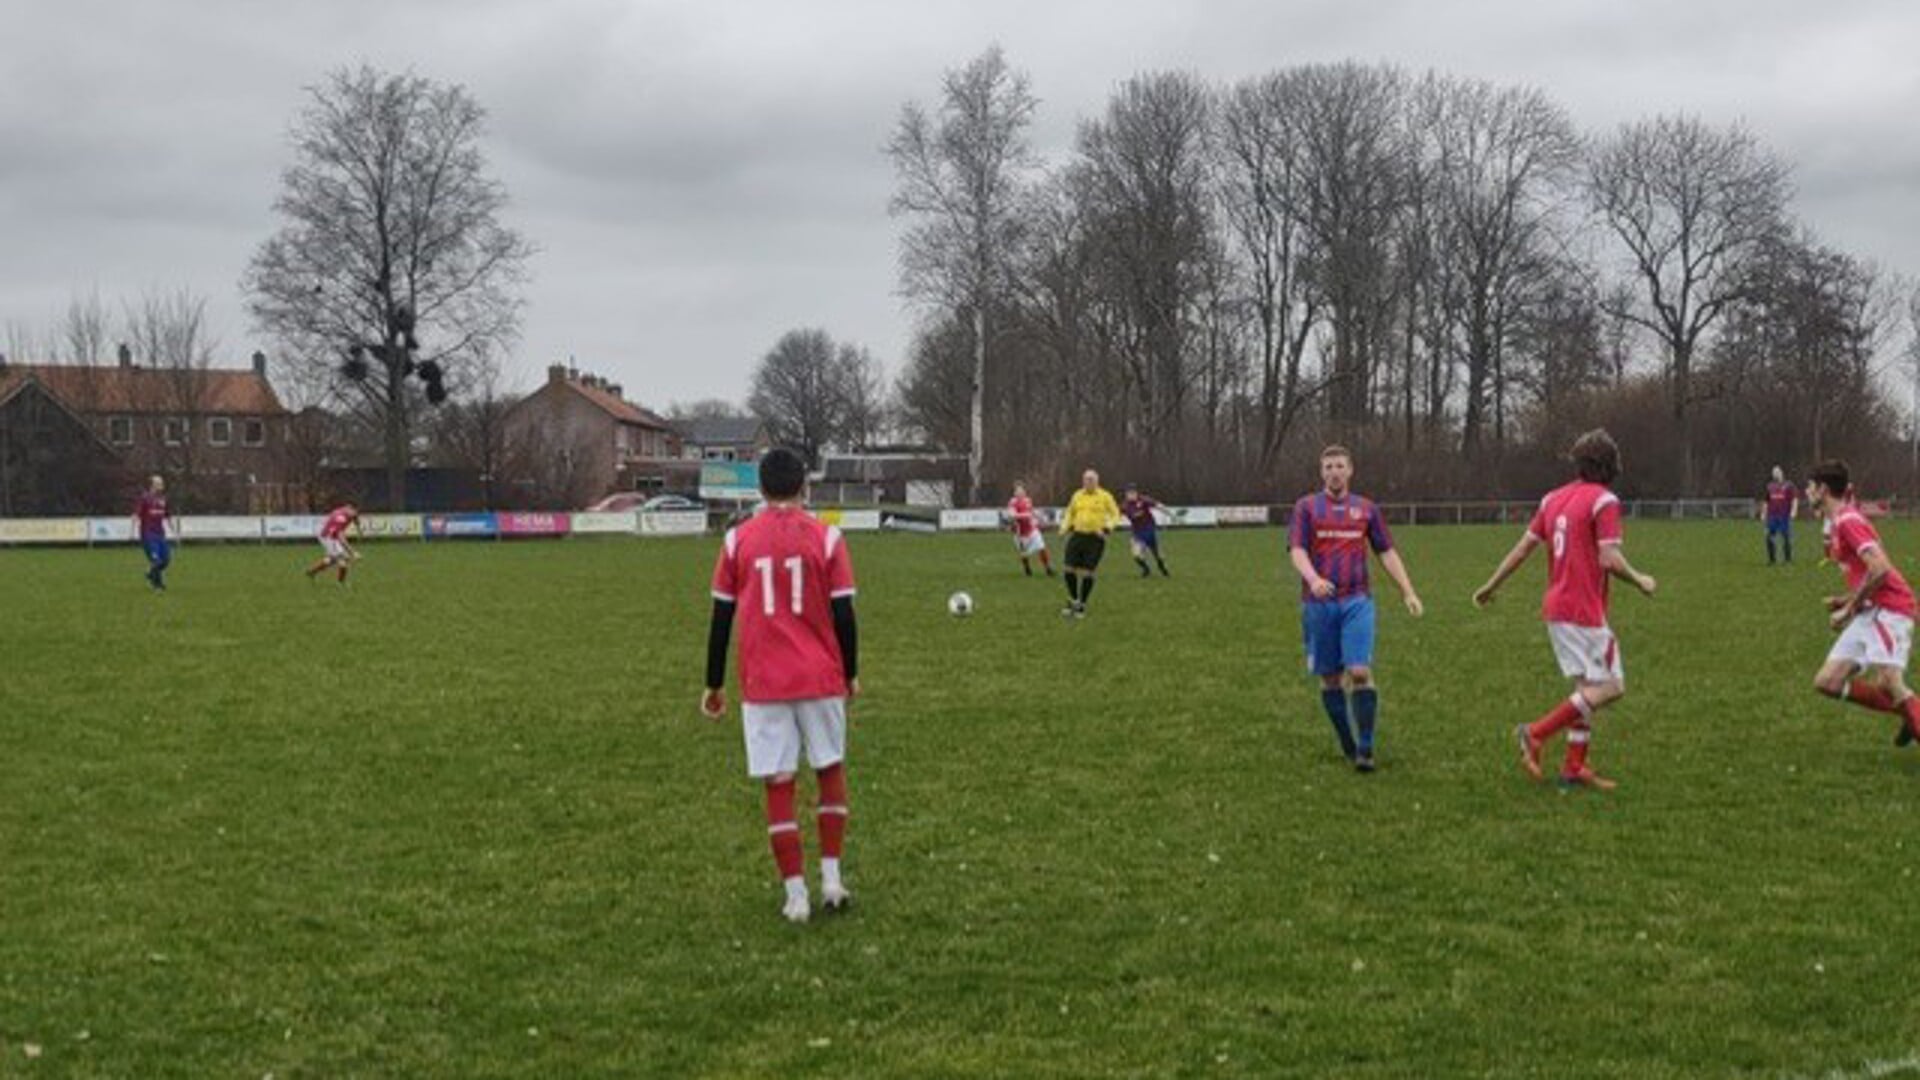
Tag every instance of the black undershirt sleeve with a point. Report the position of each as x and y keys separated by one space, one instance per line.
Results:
x=849 y=635
x=717 y=634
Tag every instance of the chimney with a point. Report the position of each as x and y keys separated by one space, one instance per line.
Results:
x=126 y=355
x=617 y=390
x=556 y=374
x=259 y=363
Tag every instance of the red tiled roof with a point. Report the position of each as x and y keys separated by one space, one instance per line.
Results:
x=102 y=389
x=619 y=408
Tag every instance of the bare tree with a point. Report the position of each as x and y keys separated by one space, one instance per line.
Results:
x=706 y=409
x=391 y=255
x=85 y=329
x=962 y=174
x=1691 y=205
x=863 y=391
x=472 y=432
x=167 y=331
x=814 y=393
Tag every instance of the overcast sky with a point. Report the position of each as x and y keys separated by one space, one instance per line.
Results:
x=701 y=176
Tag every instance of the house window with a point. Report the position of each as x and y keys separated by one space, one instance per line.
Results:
x=219 y=431
x=253 y=432
x=120 y=430
x=175 y=432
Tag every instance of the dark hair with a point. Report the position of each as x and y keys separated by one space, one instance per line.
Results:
x=783 y=473
x=1596 y=457
x=1336 y=450
x=1832 y=474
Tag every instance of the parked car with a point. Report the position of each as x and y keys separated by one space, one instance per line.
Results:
x=623 y=502
x=672 y=502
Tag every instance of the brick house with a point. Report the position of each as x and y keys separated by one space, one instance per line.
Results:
x=217 y=434
x=723 y=438
x=586 y=440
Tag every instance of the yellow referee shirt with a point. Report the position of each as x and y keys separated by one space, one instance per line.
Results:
x=1090 y=512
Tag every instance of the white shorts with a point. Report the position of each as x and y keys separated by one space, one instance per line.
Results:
x=336 y=548
x=1588 y=653
x=1031 y=544
x=776 y=729
x=1875 y=638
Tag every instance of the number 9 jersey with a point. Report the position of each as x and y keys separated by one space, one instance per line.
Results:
x=1574 y=522
x=783 y=569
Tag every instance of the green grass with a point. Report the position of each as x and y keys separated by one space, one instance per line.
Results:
x=462 y=819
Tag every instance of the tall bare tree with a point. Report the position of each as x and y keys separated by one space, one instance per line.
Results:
x=962 y=173
x=814 y=393
x=391 y=256
x=1691 y=205
x=168 y=332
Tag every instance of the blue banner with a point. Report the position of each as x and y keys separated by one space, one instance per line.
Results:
x=452 y=526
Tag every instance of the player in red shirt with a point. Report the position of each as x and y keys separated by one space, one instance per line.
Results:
x=150 y=516
x=333 y=541
x=1580 y=526
x=788 y=579
x=1867 y=665
x=1027 y=538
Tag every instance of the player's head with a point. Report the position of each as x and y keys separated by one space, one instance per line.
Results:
x=1596 y=457
x=352 y=510
x=156 y=483
x=1336 y=468
x=1131 y=490
x=1779 y=474
x=783 y=474
x=1089 y=480
x=1019 y=489
x=1829 y=482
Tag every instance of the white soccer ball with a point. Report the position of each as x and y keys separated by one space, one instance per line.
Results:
x=960 y=604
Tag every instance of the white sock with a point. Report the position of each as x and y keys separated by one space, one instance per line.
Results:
x=830 y=873
x=796 y=888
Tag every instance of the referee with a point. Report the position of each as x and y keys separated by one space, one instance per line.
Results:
x=1089 y=515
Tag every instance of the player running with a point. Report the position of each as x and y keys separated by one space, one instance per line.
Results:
x=1138 y=510
x=150 y=516
x=1783 y=501
x=1867 y=665
x=789 y=579
x=1328 y=536
x=333 y=542
x=1580 y=525
x=1028 y=540
x=1089 y=516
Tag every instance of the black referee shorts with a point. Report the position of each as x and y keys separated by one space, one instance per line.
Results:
x=1084 y=551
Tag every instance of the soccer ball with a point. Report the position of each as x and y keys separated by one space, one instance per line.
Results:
x=960 y=604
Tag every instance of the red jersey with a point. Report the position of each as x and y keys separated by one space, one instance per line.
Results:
x=151 y=511
x=1020 y=511
x=335 y=527
x=784 y=568
x=1574 y=521
x=1853 y=535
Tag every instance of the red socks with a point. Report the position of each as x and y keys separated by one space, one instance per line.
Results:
x=1561 y=716
x=832 y=817
x=1868 y=696
x=1577 y=740
x=783 y=833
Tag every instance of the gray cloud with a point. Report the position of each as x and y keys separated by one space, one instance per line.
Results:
x=702 y=177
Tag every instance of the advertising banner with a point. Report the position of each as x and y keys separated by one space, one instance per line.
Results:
x=452 y=526
x=291 y=527
x=220 y=528
x=110 y=531
x=588 y=521
x=1187 y=517
x=738 y=481
x=673 y=522
x=390 y=526
x=530 y=523
x=1241 y=515
x=961 y=520
x=851 y=520
x=45 y=531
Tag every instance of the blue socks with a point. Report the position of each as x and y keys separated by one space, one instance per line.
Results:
x=1335 y=701
x=1366 y=705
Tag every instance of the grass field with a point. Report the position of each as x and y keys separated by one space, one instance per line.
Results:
x=462 y=819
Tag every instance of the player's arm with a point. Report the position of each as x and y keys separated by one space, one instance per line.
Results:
x=1303 y=565
x=1066 y=515
x=1614 y=561
x=719 y=631
x=847 y=631
x=1397 y=570
x=1522 y=549
x=1878 y=567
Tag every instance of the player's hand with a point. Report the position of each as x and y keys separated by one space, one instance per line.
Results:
x=1483 y=596
x=713 y=703
x=1835 y=603
x=1321 y=588
x=1414 y=607
x=1839 y=619
x=853 y=688
x=1646 y=584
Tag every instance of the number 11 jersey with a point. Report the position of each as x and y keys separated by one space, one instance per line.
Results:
x=783 y=569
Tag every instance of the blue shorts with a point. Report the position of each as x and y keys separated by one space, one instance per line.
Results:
x=1148 y=540
x=158 y=552
x=1338 y=634
x=1779 y=527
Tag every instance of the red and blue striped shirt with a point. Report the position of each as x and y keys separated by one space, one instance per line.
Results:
x=1337 y=534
